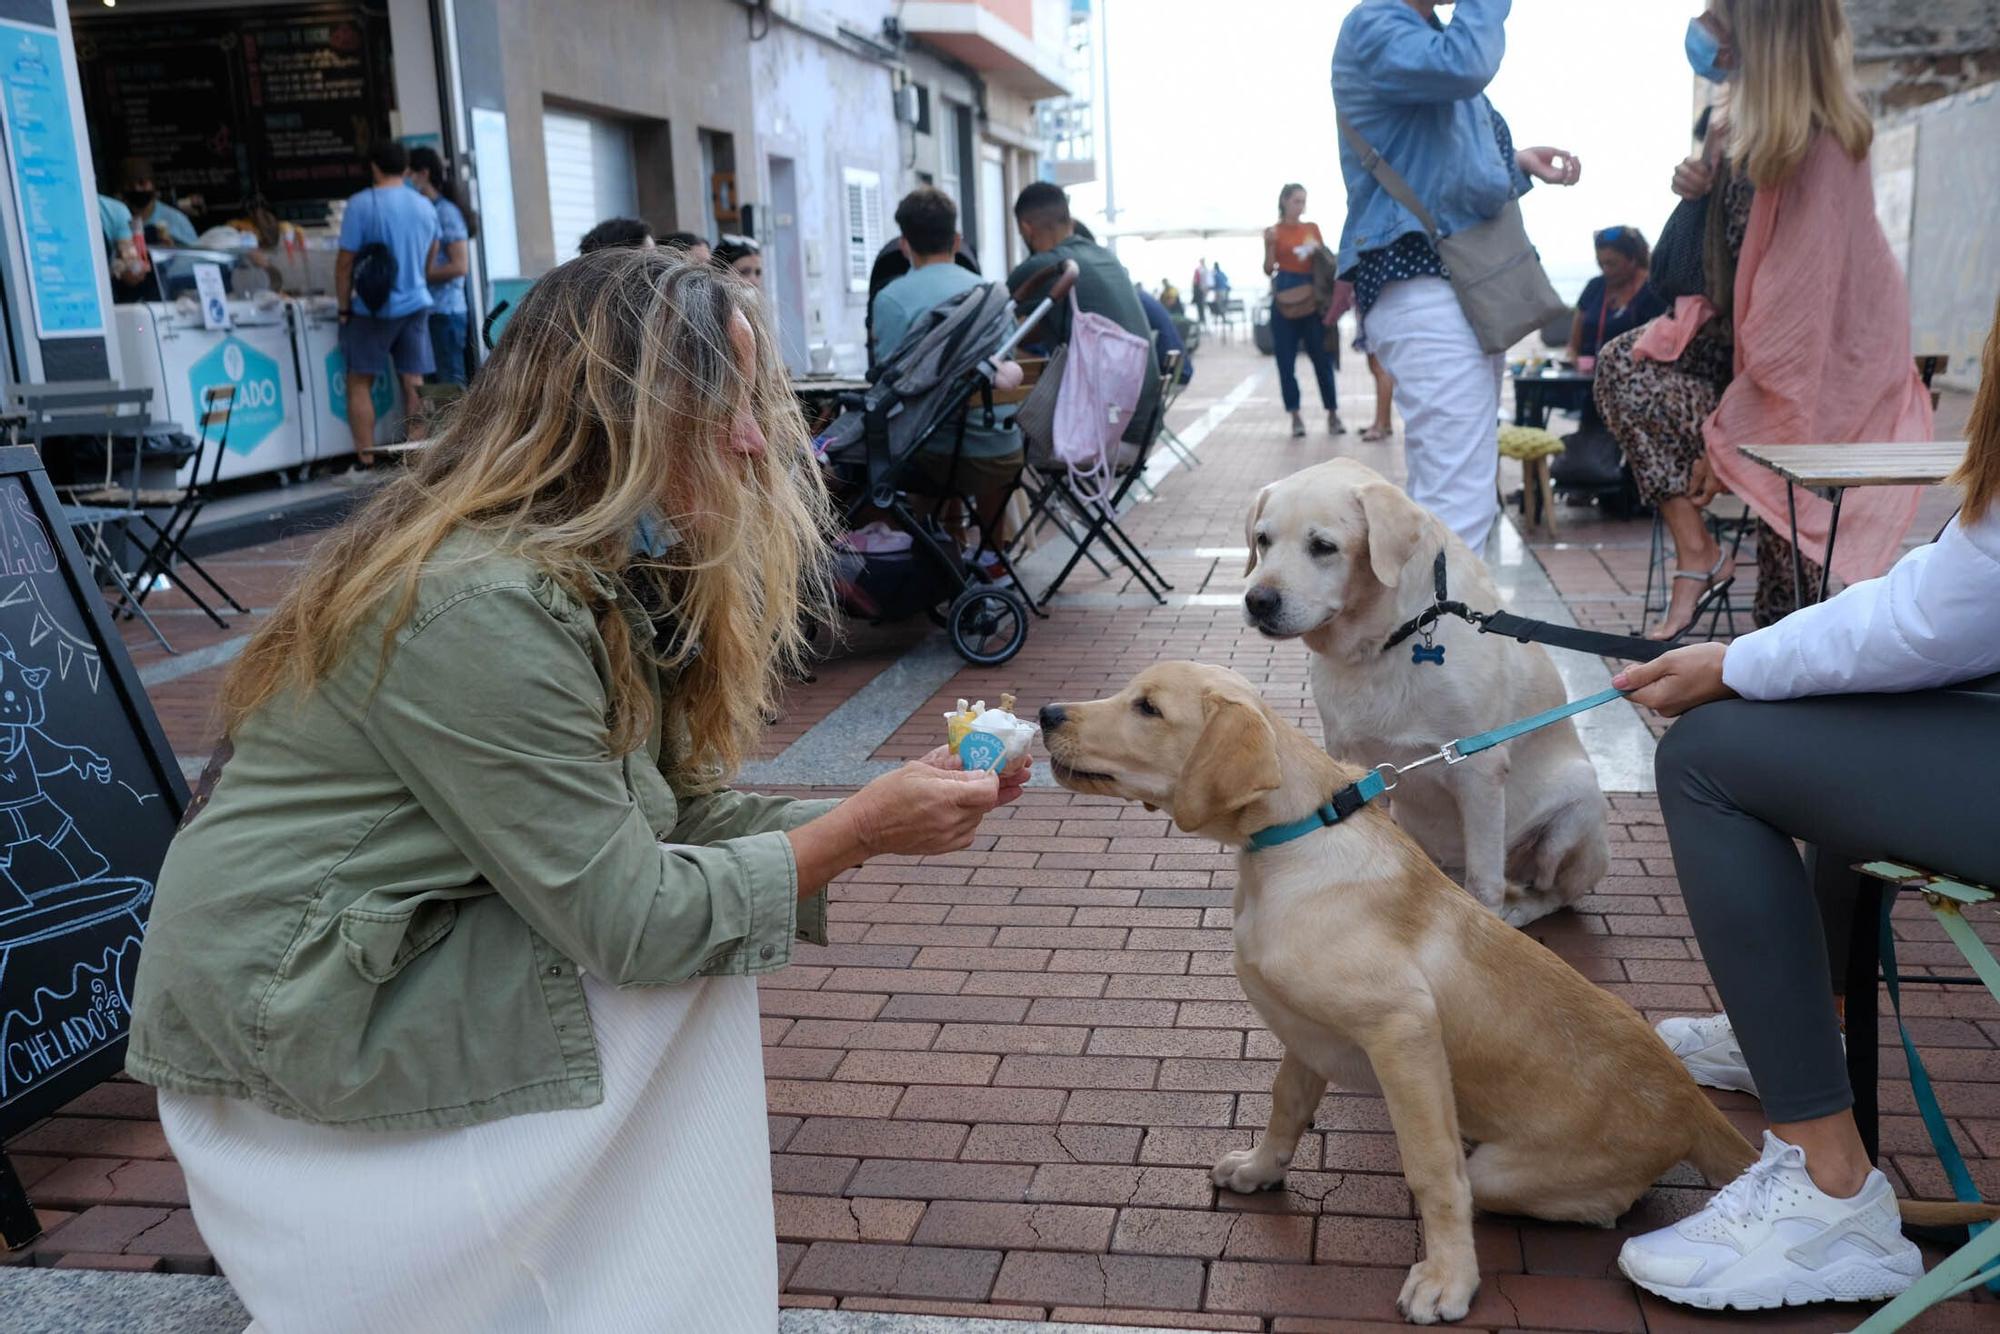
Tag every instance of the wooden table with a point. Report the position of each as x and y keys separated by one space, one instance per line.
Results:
x=1836 y=468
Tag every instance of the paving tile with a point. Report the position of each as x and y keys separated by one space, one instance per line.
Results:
x=1077 y=1072
x=1085 y=1183
x=103 y=1227
x=1031 y=1039
x=860 y=1035
x=815 y=1098
x=916 y=1179
x=981 y=1311
x=825 y=1218
x=1063 y=1143
x=840 y=1267
x=1055 y=1227
x=868 y=1137
x=967 y=1103
x=1213 y=1235
x=1100 y=1280
x=912 y=1067
x=1093 y=1315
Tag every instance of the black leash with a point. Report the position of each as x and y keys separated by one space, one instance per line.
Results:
x=1630 y=647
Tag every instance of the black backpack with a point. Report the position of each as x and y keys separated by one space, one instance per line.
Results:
x=374 y=269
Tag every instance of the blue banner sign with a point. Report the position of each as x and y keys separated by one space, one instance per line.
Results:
x=48 y=183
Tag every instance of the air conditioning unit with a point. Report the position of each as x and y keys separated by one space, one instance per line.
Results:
x=909 y=107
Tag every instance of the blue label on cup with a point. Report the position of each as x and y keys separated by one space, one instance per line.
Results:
x=982 y=750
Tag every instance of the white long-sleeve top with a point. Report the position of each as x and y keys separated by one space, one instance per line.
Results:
x=1932 y=620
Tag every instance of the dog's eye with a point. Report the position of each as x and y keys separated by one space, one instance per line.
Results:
x=1319 y=546
x=1263 y=541
x=1145 y=707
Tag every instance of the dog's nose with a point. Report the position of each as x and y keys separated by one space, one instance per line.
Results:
x=1262 y=601
x=1052 y=717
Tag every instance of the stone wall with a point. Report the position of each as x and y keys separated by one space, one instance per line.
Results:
x=1909 y=53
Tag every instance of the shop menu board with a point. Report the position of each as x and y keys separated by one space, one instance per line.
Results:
x=234 y=102
x=48 y=183
x=89 y=798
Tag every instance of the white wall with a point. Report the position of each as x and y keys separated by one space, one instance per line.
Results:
x=827 y=109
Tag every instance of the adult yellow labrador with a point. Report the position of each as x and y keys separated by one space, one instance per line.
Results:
x=1340 y=558
x=1376 y=972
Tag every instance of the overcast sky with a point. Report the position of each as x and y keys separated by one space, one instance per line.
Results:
x=1216 y=104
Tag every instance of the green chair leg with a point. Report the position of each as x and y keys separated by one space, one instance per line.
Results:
x=1962 y=1271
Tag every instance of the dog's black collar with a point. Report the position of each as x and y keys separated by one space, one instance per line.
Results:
x=1440 y=607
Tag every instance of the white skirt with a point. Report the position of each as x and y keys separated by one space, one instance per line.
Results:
x=650 y=1211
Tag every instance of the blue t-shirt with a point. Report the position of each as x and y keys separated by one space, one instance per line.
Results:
x=116 y=219
x=176 y=224
x=898 y=307
x=404 y=221
x=448 y=297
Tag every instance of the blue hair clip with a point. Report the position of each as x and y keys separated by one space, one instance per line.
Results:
x=1427 y=653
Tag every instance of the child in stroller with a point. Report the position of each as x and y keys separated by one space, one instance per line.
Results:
x=942 y=373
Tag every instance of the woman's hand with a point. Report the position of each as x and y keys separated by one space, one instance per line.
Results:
x=1678 y=680
x=1557 y=166
x=1703 y=484
x=921 y=809
x=1012 y=779
x=1693 y=178
x=917 y=810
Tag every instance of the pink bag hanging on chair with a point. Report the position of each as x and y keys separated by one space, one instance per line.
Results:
x=1105 y=369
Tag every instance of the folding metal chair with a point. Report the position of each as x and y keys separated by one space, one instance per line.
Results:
x=1170 y=391
x=1051 y=490
x=184 y=505
x=86 y=410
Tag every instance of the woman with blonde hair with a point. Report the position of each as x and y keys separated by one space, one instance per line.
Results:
x=449 y=987
x=1896 y=675
x=1796 y=329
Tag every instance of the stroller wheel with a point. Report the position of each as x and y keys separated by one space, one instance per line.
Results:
x=988 y=624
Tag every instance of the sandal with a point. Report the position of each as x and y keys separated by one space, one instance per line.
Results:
x=1714 y=581
x=1375 y=435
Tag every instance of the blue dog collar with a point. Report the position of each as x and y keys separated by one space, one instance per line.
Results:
x=1338 y=807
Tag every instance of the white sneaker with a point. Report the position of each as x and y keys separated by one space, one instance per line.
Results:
x=1773 y=1238
x=1707 y=1047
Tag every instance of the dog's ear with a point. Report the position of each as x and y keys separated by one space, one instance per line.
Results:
x=1250 y=527
x=1395 y=525
x=1234 y=762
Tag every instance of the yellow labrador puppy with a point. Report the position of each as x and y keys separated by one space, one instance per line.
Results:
x=1340 y=558
x=1376 y=972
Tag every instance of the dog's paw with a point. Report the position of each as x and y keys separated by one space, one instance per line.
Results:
x=1247 y=1170
x=1438 y=1290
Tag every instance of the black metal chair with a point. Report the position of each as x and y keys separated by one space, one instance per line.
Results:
x=90 y=410
x=184 y=504
x=1049 y=490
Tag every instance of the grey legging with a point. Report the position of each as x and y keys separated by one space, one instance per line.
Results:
x=1909 y=776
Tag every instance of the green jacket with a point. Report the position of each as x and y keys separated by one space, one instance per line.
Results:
x=378 y=918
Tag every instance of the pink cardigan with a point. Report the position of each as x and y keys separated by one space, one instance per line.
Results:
x=1822 y=355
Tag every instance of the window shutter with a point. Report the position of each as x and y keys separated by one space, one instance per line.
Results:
x=865 y=228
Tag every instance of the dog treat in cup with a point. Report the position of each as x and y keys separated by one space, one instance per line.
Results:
x=984 y=738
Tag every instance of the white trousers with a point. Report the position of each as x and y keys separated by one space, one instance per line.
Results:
x=1448 y=391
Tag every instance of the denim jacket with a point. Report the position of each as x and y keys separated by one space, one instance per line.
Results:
x=1416 y=93
x=379 y=918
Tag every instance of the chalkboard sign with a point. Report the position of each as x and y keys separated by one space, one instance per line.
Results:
x=235 y=102
x=90 y=795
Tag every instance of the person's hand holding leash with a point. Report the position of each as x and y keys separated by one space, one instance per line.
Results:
x=1677 y=681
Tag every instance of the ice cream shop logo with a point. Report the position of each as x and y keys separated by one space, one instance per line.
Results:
x=260 y=395
x=382 y=391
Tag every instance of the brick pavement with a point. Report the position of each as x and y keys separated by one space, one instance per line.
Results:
x=999 y=1089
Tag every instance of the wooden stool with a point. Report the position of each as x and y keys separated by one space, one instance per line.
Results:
x=1532 y=447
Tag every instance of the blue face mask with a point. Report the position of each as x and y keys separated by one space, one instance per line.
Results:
x=1704 y=52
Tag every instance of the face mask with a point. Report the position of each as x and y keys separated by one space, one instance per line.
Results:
x=1704 y=51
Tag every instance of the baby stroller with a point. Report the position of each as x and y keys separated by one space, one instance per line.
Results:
x=937 y=378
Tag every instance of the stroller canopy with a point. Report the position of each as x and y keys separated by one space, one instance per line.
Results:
x=925 y=379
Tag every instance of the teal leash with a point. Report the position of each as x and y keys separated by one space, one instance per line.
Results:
x=1953 y=1162
x=1384 y=777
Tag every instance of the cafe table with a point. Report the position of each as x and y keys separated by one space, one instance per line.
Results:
x=1538 y=393
x=1835 y=469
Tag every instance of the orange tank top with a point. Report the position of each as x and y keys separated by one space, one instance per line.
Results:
x=1295 y=243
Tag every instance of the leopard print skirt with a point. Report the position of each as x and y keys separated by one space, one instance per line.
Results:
x=1655 y=410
